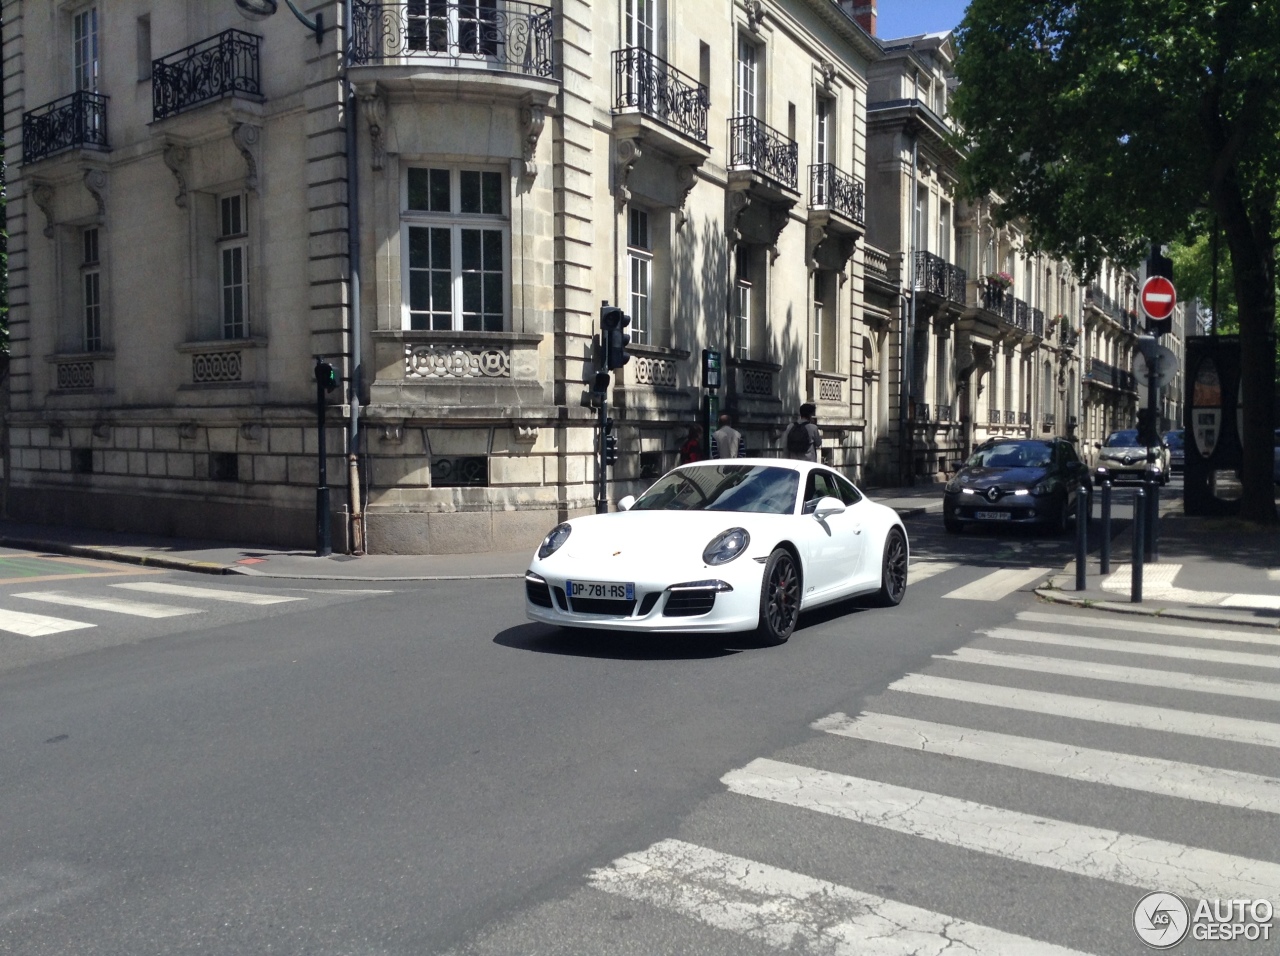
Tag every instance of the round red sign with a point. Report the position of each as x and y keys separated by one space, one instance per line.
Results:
x=1158 y=297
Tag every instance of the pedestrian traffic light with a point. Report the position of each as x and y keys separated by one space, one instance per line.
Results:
x=613 y=336
x=326 y=375
x=610 y=443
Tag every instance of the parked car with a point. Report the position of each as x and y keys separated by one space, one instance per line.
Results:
x=1123 y=457
x=1016 y=482
x=1175 y=441
x=720 y=546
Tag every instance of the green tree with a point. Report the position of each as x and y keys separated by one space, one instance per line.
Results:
x=1106 y=124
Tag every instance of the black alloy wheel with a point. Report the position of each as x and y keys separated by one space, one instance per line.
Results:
x=779 y=598
x=893 y=570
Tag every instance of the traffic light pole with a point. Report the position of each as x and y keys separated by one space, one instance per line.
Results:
x=602 y=464
x=324 y=533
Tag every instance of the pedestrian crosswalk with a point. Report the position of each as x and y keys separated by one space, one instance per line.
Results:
x=993 y=585
x=984 y=706
x=29 y=624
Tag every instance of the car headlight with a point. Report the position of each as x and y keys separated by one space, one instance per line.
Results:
x=1043 y=488
x=726 y=546
x=552 y=542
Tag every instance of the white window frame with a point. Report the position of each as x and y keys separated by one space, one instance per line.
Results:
x=86 y=63
x=744 y=294
x=233 y=265
x=457 y=223
x=640 y=24
x=640 y=272
x=819 y=307
x=453 y=29
x=91 y=288
x=747 y=77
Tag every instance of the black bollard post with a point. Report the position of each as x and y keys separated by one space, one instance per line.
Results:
x=1139 y=520
x=1083 y=511
x=1153 y=524
x=1104 y=555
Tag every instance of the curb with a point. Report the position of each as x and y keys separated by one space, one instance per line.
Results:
x=111 y=554
x=1054 y=596
x=246 y=572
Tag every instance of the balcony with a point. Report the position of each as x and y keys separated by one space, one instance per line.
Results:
x=838 y=192
x=511 y=37
x=213 y=69
x=935 y=276
x=646 y=85
x=78 y=121
x=942 y=413
x=761 y=149
x=1037 y=322
x=1103 y=373
x=1011 y=418
x=994 y=417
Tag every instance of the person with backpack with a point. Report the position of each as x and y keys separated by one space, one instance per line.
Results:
x=802 y=439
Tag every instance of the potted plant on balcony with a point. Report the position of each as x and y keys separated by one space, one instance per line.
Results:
x=1001 y=279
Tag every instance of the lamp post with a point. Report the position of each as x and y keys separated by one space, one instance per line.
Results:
x=261 y=9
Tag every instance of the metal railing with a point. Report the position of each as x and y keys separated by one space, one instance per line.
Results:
x=223 y=65
x=513 y=36
x=78 y=120
x=935 y=275
x=1021 y=315
x=650 y=84
x=943 y=412
x=1011 y=418
x=830 y=188
x=994 y=417
x=1107 y=374
x=1037 y=322
x=755 y=145
x=922 y=412
x=1024 y=418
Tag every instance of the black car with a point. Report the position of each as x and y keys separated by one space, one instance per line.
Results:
x=1016 y=481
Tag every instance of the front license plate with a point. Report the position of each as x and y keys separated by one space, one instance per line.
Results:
x=994 y=515
x=603 y=590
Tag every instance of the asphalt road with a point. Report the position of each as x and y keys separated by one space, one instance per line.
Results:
x=421 y=771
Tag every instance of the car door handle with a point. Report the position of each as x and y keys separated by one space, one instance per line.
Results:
x=857 y=529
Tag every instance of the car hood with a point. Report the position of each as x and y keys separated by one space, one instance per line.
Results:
x=663 y=535
x=979 y=478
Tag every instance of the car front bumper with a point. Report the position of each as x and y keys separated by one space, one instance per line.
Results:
x=1021 y=509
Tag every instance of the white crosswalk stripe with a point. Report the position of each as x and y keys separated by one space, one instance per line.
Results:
x=923 y=570
x=1069 y=667
x=1149 y=628
x=208 y=594
x=795 y=912
x=997 y=584
x=1149 y=775
x=115 y=605
x=1027 y=838
x=1204 y=655
x=36 y=625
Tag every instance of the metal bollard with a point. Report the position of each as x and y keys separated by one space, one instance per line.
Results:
x=1104 y=554
x=1153 y=525
x=1139 y=532
x=1084 y=510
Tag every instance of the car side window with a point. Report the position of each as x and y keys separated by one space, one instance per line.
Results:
x=820 y=485
x=847 y=493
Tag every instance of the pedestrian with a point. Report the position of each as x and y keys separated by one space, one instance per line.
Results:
x=802 y=439
x=691 y=450
x=726 y=441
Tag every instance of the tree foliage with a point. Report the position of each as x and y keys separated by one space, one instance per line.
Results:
x=1108 y=124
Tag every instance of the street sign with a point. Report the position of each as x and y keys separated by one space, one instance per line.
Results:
x=1164 y=366
x=1158 y=298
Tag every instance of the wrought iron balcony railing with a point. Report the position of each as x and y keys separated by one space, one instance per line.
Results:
x=1037 y=322
x=943 y=413
x=509 y=35
x=1024 y=418
x=994 y=417
x=1021 y=315
x=829 y=188
x=75 y=121
x=935 y=275
x=1011 y=418
x=223 y=65
x=650 y=84
x=1107 y=374
x=759 y=147
x=991 y=295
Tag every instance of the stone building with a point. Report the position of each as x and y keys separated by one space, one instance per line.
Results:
x=437 y=197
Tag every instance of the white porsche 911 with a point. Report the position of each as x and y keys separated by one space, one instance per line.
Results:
x=718 y=546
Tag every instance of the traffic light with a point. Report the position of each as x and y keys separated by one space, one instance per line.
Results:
x=613 y=337
x=610 y=443
x=326 y=375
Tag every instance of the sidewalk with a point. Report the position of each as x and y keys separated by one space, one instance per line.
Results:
x=1211 y=570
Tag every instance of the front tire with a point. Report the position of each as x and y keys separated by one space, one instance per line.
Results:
x=893 y=570
x=779 y=598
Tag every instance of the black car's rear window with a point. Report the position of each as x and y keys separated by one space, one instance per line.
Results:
x=1013 y=454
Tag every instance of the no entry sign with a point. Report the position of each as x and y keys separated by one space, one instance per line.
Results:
x=1158 y=298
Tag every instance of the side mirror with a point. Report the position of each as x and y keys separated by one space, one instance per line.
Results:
x=827 y=507
x=624 y=504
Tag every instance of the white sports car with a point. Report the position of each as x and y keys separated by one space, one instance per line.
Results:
x=716 y=546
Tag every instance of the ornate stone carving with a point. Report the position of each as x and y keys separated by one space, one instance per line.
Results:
x=101 y=430
x=391 y=433
x=42 y=196
x=655 y=371
x=437 y=362
x=75 y=375
x=755 y=14
x=251 y=431
x=526 y=434
x=175 y=157
x=95 y=180
x=373 y=103
x=687 y=178
x=827 y=69
x=626 y=153
x=532 y=120
x=246 y=137
x=210 y=368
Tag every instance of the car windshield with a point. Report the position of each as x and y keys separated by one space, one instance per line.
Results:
x=1022 y=454
x=760 y=488
x=1173 y=439
x=1125 y=439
